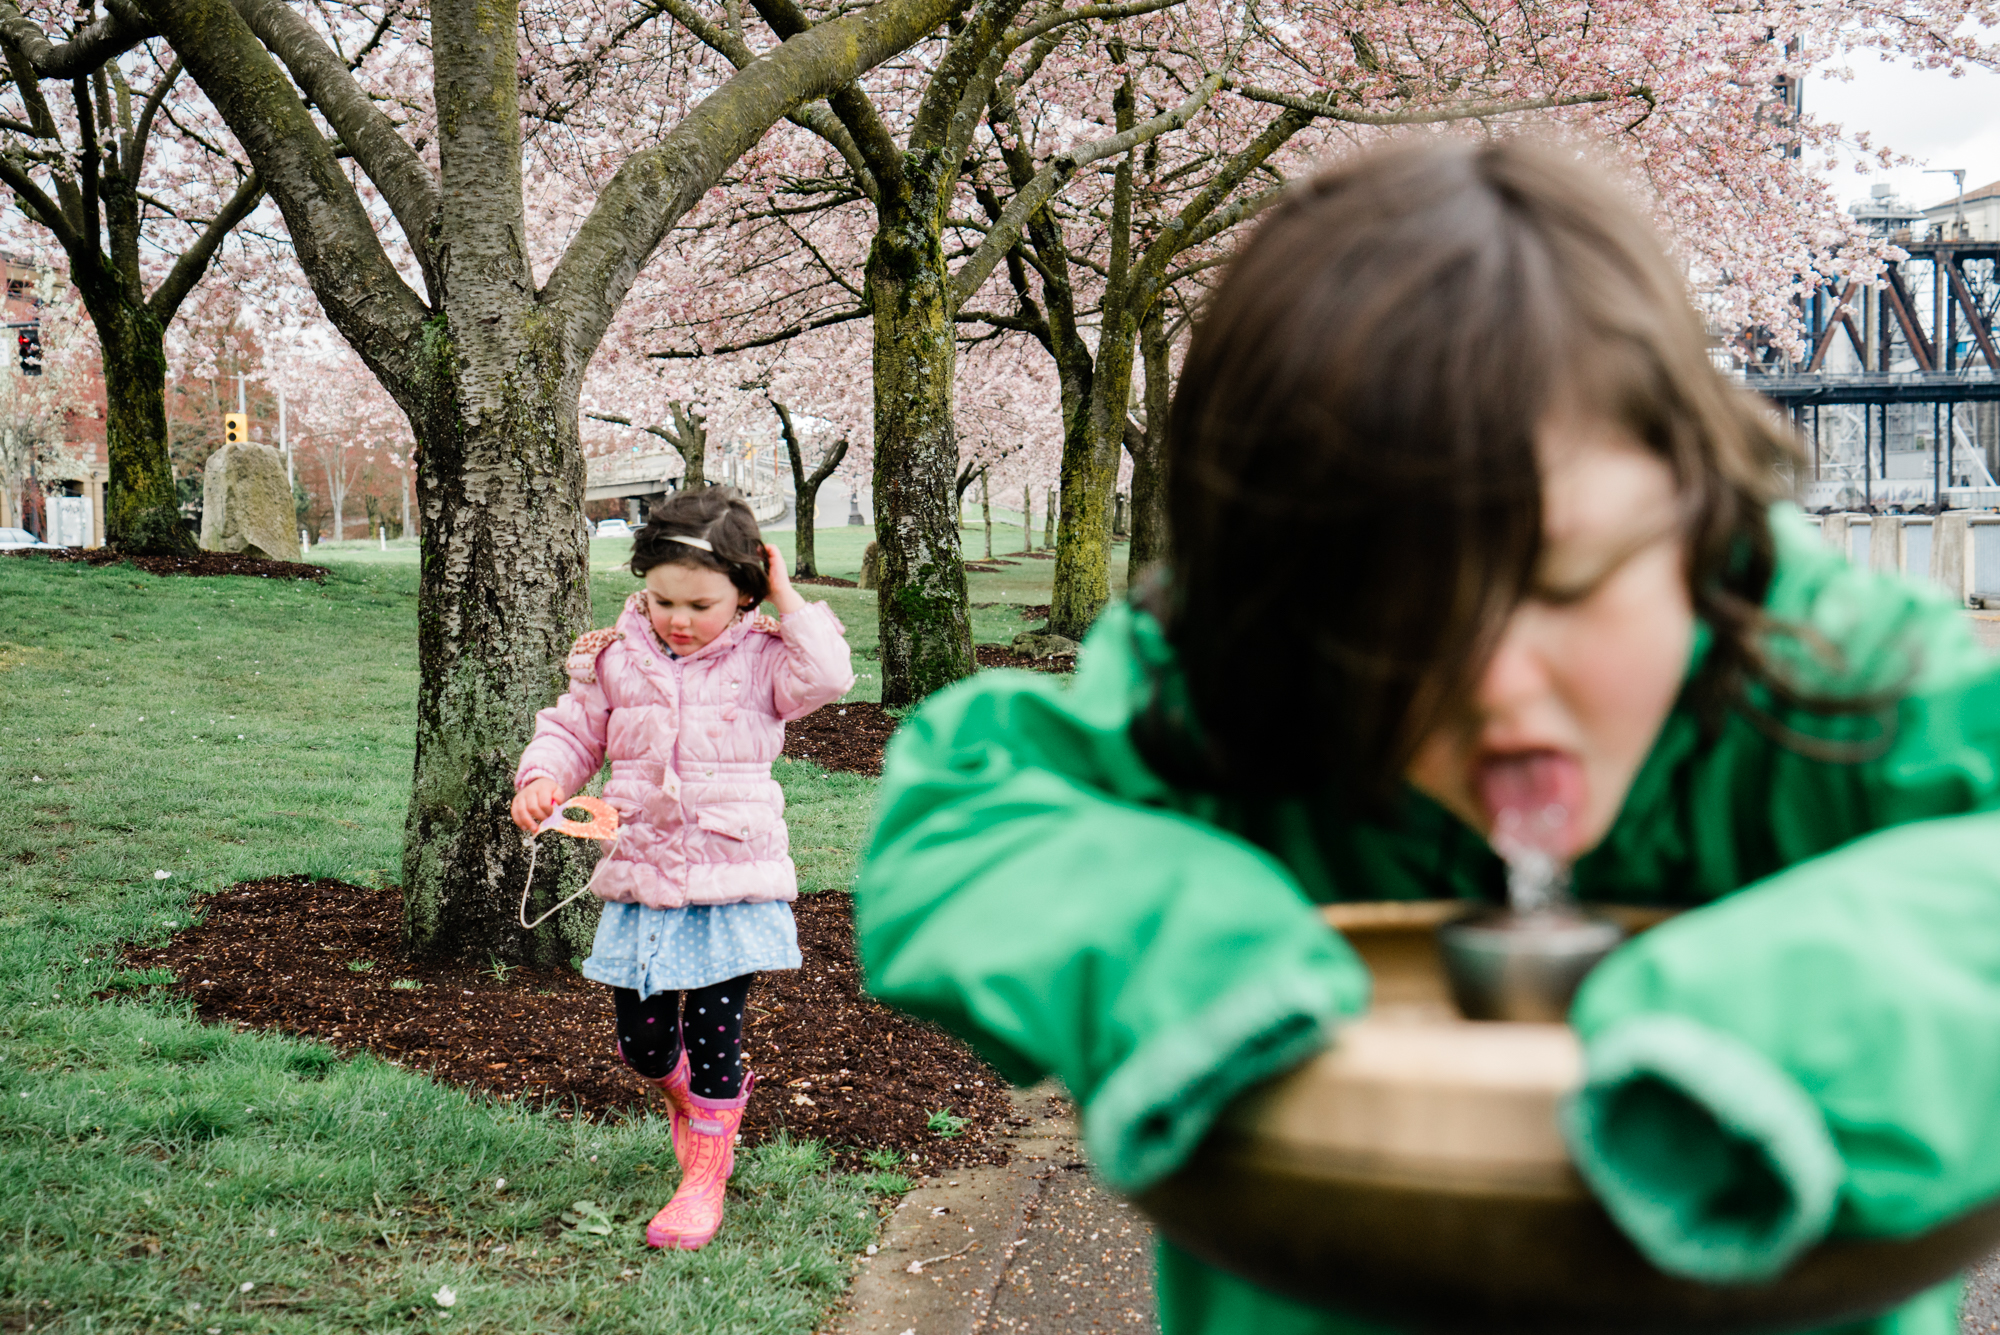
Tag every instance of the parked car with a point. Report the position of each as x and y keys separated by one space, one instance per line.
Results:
x=613 y=528
x=14 y=539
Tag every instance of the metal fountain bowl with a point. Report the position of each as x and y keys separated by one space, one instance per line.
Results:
x=1413 y=1173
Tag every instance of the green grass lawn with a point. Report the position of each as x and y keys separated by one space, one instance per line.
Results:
x=159 y=1174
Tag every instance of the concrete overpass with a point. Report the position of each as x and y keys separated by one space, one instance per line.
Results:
x=636 y=478
x=611 y=477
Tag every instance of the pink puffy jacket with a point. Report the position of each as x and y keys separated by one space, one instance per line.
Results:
x=691 y=742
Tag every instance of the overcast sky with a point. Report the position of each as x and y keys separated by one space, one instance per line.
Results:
x=1939 y=120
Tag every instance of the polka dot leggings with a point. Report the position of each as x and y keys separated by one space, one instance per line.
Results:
x=650 y=1032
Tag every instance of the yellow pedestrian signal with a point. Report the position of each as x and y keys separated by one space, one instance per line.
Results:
x=235 y=428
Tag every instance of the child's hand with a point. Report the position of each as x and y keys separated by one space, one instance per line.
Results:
x=783 y=596
x=533 y=804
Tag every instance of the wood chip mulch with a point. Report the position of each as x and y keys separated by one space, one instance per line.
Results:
x=199 y=563
x=324 y=959
x=1000 y=656
x=846 y=737
x=831 y=581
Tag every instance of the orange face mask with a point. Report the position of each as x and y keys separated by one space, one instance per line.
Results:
x=602 y=825
x=603 y=822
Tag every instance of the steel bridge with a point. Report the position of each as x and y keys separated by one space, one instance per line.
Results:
x=1895 y=400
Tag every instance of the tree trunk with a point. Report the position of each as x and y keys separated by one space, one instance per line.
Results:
x=926 y=626
x=805 y=514
x=1089 y=480
x=1027 y=518
x=505 y=583
x=805 y=491
x=500 y=492
x=986 y=511
x=1049 y=519
x=690 y=441
x=1149 y=454
x=1091 y=444
x=141 y=511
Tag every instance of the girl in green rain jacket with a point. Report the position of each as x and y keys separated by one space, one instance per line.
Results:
x=1460 y=509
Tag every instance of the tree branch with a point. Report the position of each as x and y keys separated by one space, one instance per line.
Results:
x=659 y=431
x=364 y=295
x=1000 y=239
x=122 y=28
x=405 y=181
x=876 y=146
x=817 y=118
x=1016 y=38
x=783 y=335
x=188 y=269
x=38 y=206
x=1423 y=116
x=144 y=129
x=656 y=187
x=42 y=123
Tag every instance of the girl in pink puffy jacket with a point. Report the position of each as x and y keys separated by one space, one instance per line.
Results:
x=687 y=696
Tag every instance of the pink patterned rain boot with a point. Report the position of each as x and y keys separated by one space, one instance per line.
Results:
x=674 y=1084
x=695 y=1212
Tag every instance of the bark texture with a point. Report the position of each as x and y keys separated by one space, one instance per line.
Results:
x=926 y=622
x=141 y=510
x=1148 y=448
x=500 y=491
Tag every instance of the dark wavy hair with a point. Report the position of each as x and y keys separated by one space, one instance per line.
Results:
x=1354 y=494
x=718 y=516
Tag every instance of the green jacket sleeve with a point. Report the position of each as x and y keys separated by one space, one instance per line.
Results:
x=1820 y=1051
x=1022 y=890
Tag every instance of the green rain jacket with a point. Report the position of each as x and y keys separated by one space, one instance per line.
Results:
x=1818 y=1051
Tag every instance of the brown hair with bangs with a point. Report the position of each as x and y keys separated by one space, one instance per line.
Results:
x=1354 y=494
x=718 y=516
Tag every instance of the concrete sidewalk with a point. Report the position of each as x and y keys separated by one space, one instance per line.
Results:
x=1036 y=1247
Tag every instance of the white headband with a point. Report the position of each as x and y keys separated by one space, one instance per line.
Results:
x=702 y=543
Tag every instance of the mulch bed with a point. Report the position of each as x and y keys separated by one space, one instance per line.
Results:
x=200 y=563
x=999 y=656
x=844 y=737
x=831 y=581
x=278 y=954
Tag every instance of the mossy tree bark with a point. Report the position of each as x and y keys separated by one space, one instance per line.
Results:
x=1148 y=448
x=487 y=368
x=1096 y=413
x=95 y=216
x=925 y=616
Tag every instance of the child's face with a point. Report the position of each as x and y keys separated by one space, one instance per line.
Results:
x=690 y=605
x=1591 y=661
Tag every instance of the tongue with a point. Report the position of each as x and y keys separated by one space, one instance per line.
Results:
x=1532 y=799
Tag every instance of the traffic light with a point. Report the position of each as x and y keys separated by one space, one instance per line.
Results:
x=28 y=339
x=235 y=428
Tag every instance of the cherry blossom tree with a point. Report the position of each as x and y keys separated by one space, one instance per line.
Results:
x=405 y=186
x=111 y=156
x=1128 y=145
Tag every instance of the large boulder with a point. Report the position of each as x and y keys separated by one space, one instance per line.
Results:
x=246 y=504
x=1039 y=644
